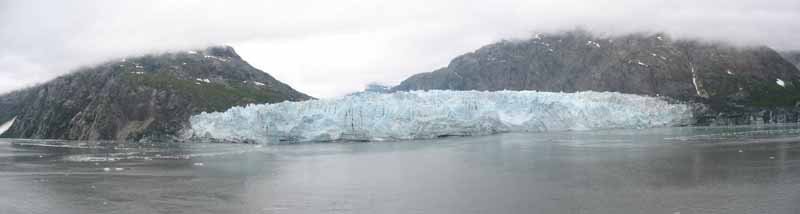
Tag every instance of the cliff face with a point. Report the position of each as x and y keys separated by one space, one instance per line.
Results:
x=727 y=79
x=148 y=97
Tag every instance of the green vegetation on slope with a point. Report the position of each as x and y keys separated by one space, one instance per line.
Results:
x=774 y=95
x=207 y=97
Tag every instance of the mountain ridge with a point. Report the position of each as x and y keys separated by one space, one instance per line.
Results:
x=728 y=79
x=793 y=57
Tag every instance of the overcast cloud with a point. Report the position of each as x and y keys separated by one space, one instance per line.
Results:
x=327 y=48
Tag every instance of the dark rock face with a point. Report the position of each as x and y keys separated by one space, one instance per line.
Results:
x=728 y=79
x=148 y=97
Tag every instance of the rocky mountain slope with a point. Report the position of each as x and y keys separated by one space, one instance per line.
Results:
x=793 y=57
x=147 y=97
x=736 y=84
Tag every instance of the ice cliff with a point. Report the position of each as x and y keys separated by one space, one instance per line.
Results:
x=432 y=114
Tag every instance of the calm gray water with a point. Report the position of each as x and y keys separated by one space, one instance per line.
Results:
x=671 y=170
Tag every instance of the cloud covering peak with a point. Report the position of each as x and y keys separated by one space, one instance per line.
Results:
x=329 y=48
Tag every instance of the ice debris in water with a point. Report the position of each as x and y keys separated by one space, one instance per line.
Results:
x=198 y=164
x=432 y=114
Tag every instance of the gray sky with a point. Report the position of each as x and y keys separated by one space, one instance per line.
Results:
x=328 y=48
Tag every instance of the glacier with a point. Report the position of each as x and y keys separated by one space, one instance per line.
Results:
x=432 y=114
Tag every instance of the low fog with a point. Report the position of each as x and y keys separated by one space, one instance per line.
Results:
x=330 y=48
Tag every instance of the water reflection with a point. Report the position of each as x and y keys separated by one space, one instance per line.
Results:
x=686 y=170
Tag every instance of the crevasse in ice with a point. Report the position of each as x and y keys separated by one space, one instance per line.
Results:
x=432 y=114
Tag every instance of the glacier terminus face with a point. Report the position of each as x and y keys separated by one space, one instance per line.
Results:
x=432 y=114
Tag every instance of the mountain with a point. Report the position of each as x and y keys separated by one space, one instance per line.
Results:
x=793 y=57
x=733 y=83
x=140 y=98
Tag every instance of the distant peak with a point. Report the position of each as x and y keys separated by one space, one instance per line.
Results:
x=222 y=51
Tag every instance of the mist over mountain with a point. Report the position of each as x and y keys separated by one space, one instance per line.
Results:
x=351 y=43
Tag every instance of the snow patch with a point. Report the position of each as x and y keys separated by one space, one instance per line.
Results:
x=593 y=43
x=660 y=38
x=191 y=52
x=638 y=62
x=7 y=125
x=780 y=82
x=138 y=72
x=729 y=72
x=217 y=58
x=432 y=114
x=258 y=83
x=697 y=87
x=660 y=57
x=203 y=80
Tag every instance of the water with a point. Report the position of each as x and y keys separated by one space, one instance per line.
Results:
x=671 y=170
